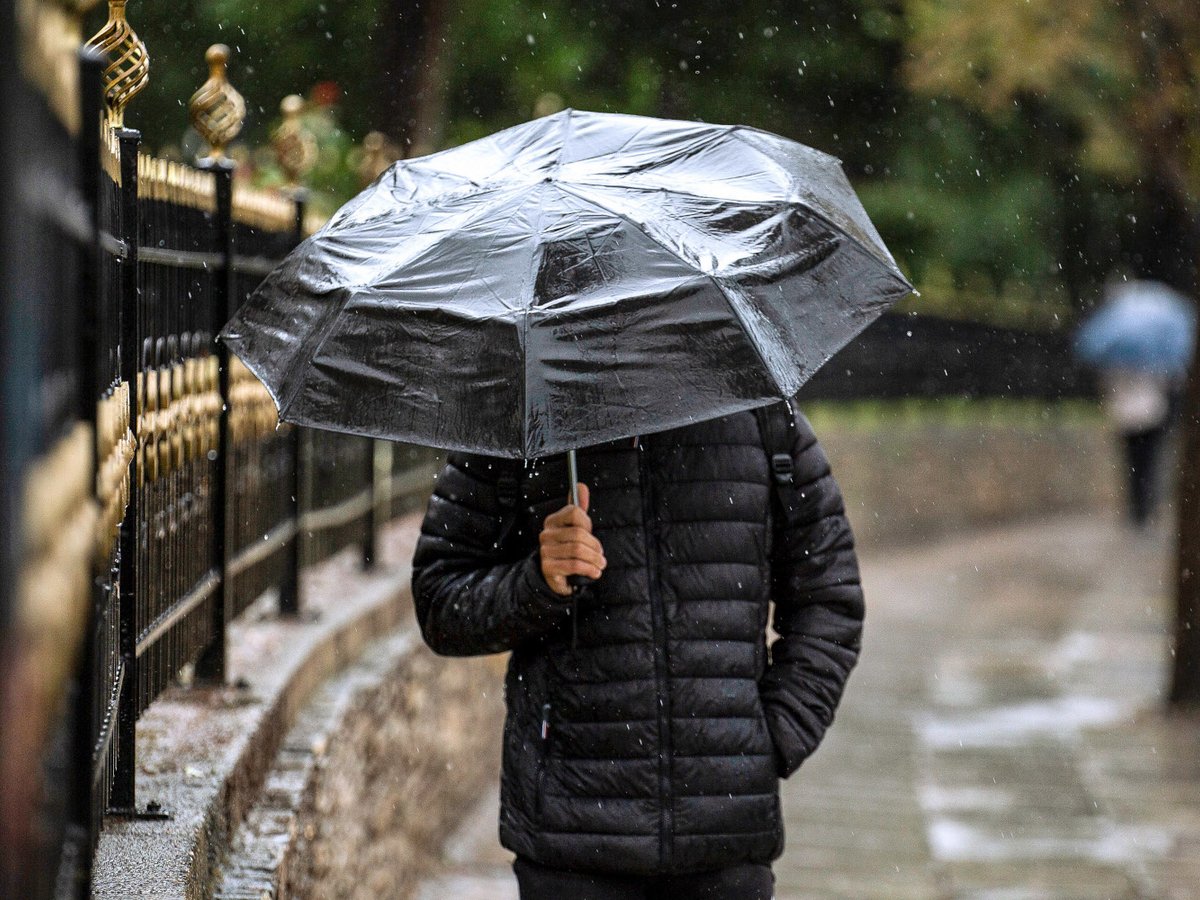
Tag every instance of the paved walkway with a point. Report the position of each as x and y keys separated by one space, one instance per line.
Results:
x=1001 y=738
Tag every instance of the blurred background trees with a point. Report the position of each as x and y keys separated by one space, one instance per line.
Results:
x=1122 y=79
x=996 y=144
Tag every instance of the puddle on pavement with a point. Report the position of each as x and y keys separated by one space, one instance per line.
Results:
x=1056 y=719
x=953 y=840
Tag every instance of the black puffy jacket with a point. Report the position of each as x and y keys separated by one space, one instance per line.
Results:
x=652 y=740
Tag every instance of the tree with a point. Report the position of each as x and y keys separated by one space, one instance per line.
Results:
x=412 y=73
x=1126 y=75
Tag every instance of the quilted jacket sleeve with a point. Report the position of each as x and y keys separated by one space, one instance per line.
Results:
x=472 y=595
x=818 y=607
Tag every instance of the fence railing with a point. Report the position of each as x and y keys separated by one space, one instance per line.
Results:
x=925 y=356
x=159 y=485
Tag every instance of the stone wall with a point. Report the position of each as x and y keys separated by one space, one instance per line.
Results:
x=908 y=479
x=411 y=754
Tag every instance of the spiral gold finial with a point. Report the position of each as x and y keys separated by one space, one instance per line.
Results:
x=217 y=110
x=294 y=145
x=128 y=69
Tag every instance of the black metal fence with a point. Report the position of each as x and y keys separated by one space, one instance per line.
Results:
x=224 y=503
x=153 y=476
x=924 y=356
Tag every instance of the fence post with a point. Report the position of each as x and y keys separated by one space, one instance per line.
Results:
x=210 y=667
x=382 y=458
x=84 y=802
x=123 y=797
x=289 y=587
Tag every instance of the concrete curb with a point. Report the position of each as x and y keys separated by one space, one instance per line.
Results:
x=263 y=859
x=204 y=753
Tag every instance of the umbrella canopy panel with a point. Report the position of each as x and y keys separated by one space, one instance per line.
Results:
x=1146 y=326
x=566 y=282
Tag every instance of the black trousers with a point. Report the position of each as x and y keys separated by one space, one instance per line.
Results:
x=1143 y=452
x=744 y=882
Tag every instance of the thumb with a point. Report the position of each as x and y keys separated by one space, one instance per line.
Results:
x=584 y=496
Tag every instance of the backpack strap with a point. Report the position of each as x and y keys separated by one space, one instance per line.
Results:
x=508 y=494
x=776 y=425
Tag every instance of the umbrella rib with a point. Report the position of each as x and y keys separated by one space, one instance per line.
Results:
x=753 y=344
x=530 y=278
x=479 y=260
x=820 y=215
x=577 y=194
x=567 y=134
x=339 y=219
x=316 y=340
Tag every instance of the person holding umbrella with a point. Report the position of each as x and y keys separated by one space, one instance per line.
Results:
x=609 y=307
x=1141 y=341
x=642 y=757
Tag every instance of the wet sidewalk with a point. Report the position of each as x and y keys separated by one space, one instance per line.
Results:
x=1001 y=738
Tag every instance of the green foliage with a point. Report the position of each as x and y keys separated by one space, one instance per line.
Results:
x=922 y=413
x=969 y=128
x=279 y=48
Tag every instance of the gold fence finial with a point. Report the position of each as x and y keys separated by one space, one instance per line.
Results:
x=128 y=69
x=294 y=145
x=217 y=110
x=374 y=156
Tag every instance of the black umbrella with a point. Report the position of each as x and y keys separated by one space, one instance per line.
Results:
x=573 y=280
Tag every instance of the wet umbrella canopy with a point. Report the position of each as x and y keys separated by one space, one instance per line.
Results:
x=573 y=280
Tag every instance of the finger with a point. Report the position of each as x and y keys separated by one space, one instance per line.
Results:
x=558 y=583
x=568 y=516
x=585 y=496
x=568 y=536
x=565 y=567
x=585 y=552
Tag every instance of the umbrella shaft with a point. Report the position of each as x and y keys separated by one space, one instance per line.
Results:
x=573 y=477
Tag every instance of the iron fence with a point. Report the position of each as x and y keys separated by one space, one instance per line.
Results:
x=154 y=478
x=926 y=356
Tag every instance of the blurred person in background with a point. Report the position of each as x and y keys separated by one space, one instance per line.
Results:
x=1141 y=341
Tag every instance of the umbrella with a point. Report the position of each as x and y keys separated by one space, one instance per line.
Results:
x=577 y=279
x=1146 y=326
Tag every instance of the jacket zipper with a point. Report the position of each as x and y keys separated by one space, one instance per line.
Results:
x=543 y=758
x=661 y=663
